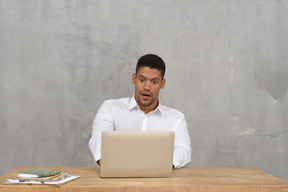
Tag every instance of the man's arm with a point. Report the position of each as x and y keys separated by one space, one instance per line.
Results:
x=182 y=145
x=103 y=122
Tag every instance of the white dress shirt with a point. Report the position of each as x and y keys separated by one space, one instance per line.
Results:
x=125 y=115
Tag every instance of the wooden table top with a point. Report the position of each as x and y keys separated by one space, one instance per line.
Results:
x=184 y=179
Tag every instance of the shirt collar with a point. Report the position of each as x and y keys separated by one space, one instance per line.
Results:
x=133 y=105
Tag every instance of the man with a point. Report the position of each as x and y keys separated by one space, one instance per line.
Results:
x=143 y=112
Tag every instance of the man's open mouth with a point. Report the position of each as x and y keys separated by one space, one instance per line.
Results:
x=145 y=95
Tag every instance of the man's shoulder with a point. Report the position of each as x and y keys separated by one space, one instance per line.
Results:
x=171 y=111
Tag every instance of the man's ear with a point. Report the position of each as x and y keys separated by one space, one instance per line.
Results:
x=134 y=78
x=163 y=83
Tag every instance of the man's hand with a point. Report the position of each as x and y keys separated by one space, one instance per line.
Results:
x=99 y=162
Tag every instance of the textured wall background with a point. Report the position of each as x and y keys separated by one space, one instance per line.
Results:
x=227 y=71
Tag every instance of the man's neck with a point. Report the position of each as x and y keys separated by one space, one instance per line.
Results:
x=148 y=109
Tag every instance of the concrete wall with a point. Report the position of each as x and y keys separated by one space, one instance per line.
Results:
x=227 y=70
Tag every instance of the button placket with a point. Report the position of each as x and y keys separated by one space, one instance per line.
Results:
x=144 y=123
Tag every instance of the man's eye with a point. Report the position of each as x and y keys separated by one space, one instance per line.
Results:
x=154 y=82
x=141 y=79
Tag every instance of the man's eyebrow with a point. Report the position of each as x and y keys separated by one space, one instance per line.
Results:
x=158 y=78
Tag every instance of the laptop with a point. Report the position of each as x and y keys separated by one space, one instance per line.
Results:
x=137 y=153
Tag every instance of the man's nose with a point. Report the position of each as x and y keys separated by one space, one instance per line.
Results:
x=147 y=85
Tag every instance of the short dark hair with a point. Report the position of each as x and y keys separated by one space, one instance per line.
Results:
x=152 y=61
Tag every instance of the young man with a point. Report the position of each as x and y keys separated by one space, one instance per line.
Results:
x=143 y=112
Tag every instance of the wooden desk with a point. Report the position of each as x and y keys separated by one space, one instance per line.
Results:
x=186 y=179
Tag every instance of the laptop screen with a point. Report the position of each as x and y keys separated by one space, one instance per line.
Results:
x=137 y=153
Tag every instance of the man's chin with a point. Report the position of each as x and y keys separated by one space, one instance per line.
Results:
x=145 y=103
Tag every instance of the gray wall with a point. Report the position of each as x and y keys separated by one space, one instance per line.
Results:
x=227 y=70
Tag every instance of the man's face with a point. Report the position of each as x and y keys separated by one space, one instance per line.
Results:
x=148 y=83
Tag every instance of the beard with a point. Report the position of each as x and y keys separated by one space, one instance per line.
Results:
x=145 y=103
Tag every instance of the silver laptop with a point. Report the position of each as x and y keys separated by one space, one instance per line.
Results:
x=137 y=153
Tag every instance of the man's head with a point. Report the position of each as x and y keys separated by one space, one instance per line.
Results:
x=152 y=61
x=148 y=80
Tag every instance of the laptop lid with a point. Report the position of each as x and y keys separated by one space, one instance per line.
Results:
x=137 y=153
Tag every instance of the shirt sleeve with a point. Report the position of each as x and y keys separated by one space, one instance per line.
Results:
x=182 y=145
x=103 y=122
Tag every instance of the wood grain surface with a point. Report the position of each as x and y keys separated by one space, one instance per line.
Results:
x=192 y=179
